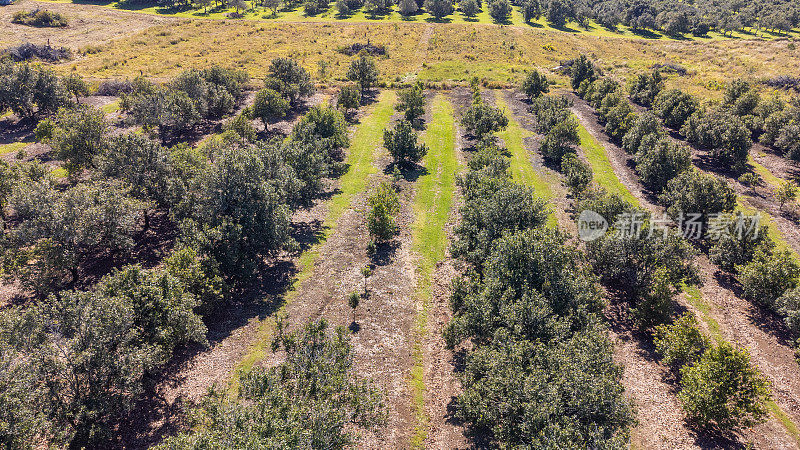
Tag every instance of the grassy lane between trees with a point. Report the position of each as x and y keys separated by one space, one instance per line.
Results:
x=601 y=167
x=360 y=160
x=432 y=207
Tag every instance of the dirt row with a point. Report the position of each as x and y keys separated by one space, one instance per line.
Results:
x=740 y=323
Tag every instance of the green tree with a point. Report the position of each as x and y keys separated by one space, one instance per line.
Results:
x=560 y=141
x=439 y=8
x=680 y=343
x=412 y=101
x=645 y=87
x=659 y=164
x=535 y=84
x=674 y=107
x=577 y=174
x=408 y=8
x=786 y=193
x=401 y=142
x=76 y=86
x=77 y=136
x=469 y=8
x=500 y=10
x=768 y=276
x=583 y=69
x=693 y=193
x=269 y=106
x=293 y=81
x=364 y=72
x=384 y=205
x=482 y=120
x=644 y=133
x=349 y=98
x=352 y=301
x=723 y=390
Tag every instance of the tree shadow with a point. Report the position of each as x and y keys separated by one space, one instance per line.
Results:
x=409 y=171
x=645 y=33
x=440 y=20
x=354 y=327
x=384 y=253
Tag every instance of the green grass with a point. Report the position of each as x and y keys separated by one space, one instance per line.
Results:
x=695 y=298
x=601 y=167
x=111 y=107
x=360 y=159
x=12 y=147
x=432 y=206
x=785 y=420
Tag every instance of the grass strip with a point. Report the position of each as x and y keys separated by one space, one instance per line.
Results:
x=601 y=166
x=432 y=206
x=360 y=160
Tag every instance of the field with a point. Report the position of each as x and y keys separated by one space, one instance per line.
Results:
x=295 y=245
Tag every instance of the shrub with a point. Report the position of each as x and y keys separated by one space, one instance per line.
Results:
x=560 y=141
x=114 y=87
x=349 y=98
x=402 y=143
x=721 y=132
x=469 y=8
x=661 y=163
x=412 y=101
x=29 y=91
x=738 y=241
x=40 y=18
x=482 y=120
x=549 y=111
x=535 y=84
x=723 y=390
x=408 y=8
x=674 y=107
x=583 y=69
x=439 y=8
x=681 y=343
x=384 y=205
x=768 y=276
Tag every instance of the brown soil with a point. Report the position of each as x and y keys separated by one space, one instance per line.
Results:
x=87 y=25
x=740 y=323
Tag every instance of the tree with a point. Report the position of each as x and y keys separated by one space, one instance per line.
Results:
x=76 y=86
x=29 y=91
x=352 y=301
x=469 y=8
x=694 y=193
x=786 y=192
x=366 y=272
x=549 y=111
x=408 y=8
x=291 y=79
x=412 y=101
x=242 y=126
x=363 y=71
x=558 y=12
x=77 y=136
x=643 y=134
x=680 y=343
x=750 y=180
x=374 y=7
x=402 y=143
x=723 y=133
x=273 y=5
x=535 y=84
x=674 y=107
x=583 y=69
x=482 y=120
x=500 y=10
x=577 y=174
x=768 y=276
x=723 y=390
x=384 y=205
x=645 y=87
x=314 y=399
x=531 y=10
x=560 y=141
x=661 y=163
x=349 y=98
x=269 y=106
x=737 y=238
x=439 y=8
x=325 y=128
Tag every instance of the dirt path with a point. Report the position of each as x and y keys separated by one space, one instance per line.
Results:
x=739 y=322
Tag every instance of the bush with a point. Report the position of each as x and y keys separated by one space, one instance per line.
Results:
x=29 y=91
x=535 y=84
x=674 y=107
x=408 y=8
x=549 y=111
x=384 y=205
x=693 y=193
x=723 y=390
x=661 y=163
x=439 y=8
x=113 y=88
x=738 y=241
x=402 y=143
x=40 y=18
x=560 y=141
x=314 y=399
x=349 y=98
x=768 y=276
x=324 y=127
x=681 y=343
x=269 y=106
x=469 y=8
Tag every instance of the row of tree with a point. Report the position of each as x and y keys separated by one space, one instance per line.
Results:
x=75 y=362
x=719 y=387
x=539 y=370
